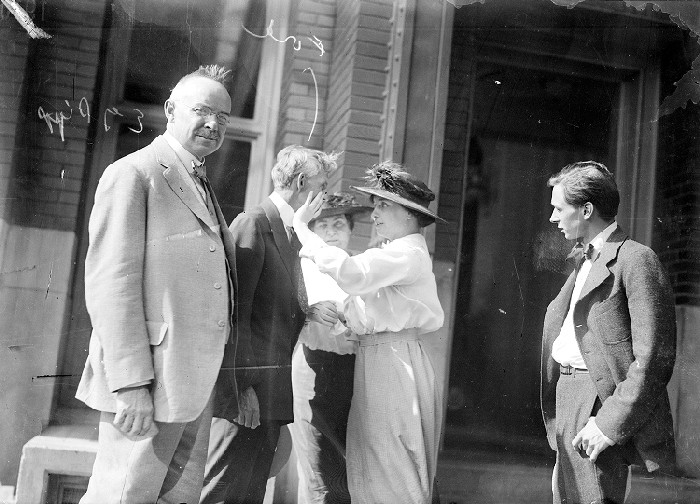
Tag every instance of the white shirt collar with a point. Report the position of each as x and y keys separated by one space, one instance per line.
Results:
x=602 y=237
x=285 y=210
x=185 y=156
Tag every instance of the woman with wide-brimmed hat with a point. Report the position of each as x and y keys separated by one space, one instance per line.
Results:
x=322 y=369
x=395 y=416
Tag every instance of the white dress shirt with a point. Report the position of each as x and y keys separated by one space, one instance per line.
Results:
x=186 y=171
x=285 y=210
x=565 y=349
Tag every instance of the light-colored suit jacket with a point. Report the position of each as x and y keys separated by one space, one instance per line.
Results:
x=626 y=329
x=158 y=287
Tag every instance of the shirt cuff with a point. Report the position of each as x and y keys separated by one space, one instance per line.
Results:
x=137 y=384
x=607 y=439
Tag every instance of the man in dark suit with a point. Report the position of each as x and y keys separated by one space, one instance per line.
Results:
x=159 y=277
x=271 y=301
x=608 y=348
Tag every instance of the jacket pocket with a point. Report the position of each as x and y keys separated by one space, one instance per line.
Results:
x=156 y=332
x=612 y=320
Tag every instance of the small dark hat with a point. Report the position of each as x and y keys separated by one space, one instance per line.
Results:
x=341 y=203
x=390 y=181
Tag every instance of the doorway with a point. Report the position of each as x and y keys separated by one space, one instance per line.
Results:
x=532 y=88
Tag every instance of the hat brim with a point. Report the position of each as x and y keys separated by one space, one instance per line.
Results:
x=342 y=210
x=381 y=193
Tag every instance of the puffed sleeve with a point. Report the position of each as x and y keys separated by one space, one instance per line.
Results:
x=395 y=264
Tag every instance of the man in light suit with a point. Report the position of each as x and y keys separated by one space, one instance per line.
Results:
x=608 y=348
x=159 y=280
x=271 y=313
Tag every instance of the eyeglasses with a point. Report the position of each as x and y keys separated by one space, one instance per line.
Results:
x=203 y=111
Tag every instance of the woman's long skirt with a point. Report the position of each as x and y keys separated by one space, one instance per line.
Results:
x=394 y=423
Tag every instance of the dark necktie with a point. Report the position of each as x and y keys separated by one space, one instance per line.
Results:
x=301 y=286
x=579 y=254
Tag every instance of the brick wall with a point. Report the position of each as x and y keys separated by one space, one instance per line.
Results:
x=351 y=78
x=453 y=155
x=677 y=225
x=49 y=169
x=308 y=19
x=361 y=80
x=13 y=60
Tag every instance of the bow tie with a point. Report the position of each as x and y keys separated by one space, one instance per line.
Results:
x=200 y=170
x=579 y=253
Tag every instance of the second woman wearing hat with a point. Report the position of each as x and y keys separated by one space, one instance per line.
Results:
x=395 y=415
x=322 y=370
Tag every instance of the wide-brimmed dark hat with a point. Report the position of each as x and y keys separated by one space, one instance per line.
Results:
x=341 y=203
x=390 y=181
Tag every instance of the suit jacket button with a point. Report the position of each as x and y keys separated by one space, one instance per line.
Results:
x=217 y=285
x=212 y=248
x=221 y=323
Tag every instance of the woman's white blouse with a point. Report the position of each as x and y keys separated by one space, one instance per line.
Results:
x=321 y=287
x=391 y=288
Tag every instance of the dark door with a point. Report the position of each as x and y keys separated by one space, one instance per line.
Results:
x=533 y=87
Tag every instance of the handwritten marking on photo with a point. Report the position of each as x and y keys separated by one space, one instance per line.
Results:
x=313 y=75
x=296 y=43
x=59 y=118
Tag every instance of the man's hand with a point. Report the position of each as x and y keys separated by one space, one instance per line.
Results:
x=134 y=415
x=323 y=312
x=591 y=440
x=249 y=414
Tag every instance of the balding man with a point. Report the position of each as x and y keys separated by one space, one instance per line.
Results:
x=159 y=279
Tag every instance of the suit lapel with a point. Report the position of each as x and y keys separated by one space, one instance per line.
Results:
x=169 y=160
x=600 y=270
x=279 y=234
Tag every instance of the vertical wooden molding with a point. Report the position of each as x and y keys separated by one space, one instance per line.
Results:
x=267 y=105
x=396 y=91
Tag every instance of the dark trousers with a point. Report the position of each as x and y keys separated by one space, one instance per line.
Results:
x=577 y=480
x=239 y=461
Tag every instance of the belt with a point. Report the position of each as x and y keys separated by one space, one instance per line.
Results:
x=568 y=370
x=380 y=338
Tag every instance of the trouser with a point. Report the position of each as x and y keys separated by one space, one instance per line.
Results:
x=239 y=461
x=167 y=468
x=577 y=480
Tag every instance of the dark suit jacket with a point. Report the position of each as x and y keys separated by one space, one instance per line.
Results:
x=269 y=316
x=626 y=329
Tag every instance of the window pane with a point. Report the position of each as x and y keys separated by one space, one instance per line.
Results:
x=227 y=170
x=193 y=34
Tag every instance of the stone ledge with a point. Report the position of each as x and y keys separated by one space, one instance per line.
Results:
x=7 y=494
x=488 y=477
x=64 y=449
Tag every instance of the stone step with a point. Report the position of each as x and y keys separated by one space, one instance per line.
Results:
x=494 y=477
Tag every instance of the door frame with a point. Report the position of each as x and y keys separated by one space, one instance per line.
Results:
x=636 y=128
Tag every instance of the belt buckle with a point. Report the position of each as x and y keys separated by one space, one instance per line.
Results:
x=566 y=370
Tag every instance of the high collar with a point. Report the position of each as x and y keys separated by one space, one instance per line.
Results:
x=600 y=239
x=188 y=159
x=284 y=208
